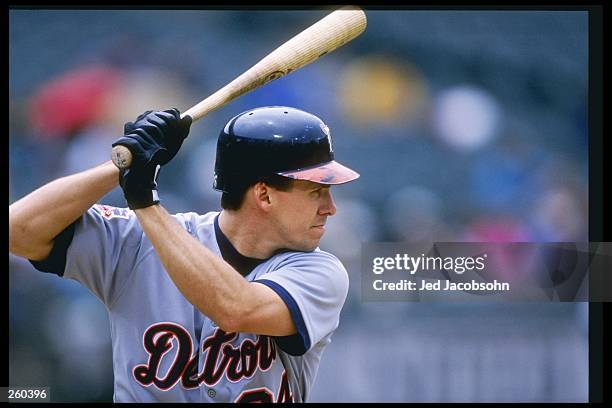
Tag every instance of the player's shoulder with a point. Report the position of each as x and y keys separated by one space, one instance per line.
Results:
x=195 y=219
x=316 y=258
x=318 y=267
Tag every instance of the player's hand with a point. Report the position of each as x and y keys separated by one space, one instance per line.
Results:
x=153 y=139
x=155 y=136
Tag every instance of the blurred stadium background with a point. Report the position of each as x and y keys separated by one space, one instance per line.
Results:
x=464 y=125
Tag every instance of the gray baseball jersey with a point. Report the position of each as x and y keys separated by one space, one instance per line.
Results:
x=164 y=349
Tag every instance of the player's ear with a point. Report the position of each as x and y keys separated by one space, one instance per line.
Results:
x=261 y=195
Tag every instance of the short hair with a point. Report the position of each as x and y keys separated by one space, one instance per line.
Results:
x=234 y=199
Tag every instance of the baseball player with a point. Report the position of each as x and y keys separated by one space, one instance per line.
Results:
x=230 y=306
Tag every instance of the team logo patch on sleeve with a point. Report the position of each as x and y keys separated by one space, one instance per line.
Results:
x=109 y=212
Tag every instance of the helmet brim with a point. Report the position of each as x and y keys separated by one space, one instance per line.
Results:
x=330 y=173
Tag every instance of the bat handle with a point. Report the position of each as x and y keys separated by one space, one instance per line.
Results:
x=121 y=155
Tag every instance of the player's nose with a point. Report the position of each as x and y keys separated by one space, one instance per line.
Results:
x=328 y=206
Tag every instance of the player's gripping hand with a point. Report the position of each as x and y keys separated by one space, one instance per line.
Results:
x=155 y=136
x=153 y=139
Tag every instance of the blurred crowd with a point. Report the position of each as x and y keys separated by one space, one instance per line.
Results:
x=465 y=126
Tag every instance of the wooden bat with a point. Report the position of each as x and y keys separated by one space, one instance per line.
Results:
x=327 y=34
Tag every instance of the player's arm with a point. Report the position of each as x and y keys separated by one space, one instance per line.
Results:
x=36 y=219
x=211 y=284
x=207 y=281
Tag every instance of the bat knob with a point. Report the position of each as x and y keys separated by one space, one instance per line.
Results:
x=121 y=157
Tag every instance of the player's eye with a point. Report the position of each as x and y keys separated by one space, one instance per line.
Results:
x=316 y=192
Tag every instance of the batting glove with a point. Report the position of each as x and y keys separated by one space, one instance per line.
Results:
x=153 y=139
x=140 y=186
x=155 y=136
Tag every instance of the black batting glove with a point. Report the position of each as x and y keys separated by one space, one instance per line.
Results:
x=153 y=139
x=155 y=136
x=140 y=185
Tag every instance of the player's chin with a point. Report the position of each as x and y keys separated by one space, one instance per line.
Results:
x=316 y=233
x=309 y=244
x=311 y=247
x=314 y=236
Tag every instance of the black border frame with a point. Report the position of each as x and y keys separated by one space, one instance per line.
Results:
x=600 y=314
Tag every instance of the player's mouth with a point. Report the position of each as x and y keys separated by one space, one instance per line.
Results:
x=320 y=226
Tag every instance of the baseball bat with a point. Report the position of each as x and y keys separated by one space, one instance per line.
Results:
x=324 y=36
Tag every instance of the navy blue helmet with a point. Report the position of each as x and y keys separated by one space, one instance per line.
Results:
x=276 y=140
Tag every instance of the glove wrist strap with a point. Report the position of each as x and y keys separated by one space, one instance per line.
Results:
x=139 y=193
x=142 y=199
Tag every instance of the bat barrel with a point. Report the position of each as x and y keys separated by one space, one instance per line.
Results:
x=327 y=34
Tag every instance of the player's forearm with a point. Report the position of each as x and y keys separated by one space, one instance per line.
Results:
x=36 y=219
x=206 y=281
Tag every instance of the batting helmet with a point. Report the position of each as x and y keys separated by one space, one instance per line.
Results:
x=276 y=140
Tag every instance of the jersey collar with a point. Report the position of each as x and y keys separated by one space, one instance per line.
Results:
x=243 y=264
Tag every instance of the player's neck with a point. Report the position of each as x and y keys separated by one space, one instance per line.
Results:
x=247 y=233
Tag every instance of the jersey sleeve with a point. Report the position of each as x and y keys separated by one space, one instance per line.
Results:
x=314 y=287
x=103 y=250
